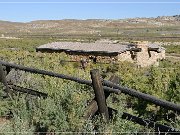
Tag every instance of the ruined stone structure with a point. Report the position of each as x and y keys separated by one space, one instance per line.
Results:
x=149 y=55
x=142 y=53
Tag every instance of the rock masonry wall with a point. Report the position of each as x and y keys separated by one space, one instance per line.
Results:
x=147 y=58
x=142 y=59
x=90 y=58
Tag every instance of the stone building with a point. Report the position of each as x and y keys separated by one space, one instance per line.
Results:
x=142 y=53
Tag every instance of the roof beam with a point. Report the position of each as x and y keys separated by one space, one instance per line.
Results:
x=135 y=49
x=154 y=49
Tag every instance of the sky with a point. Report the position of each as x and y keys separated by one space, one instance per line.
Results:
x=30 y=10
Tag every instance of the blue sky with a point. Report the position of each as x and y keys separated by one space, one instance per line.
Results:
x=14 y=10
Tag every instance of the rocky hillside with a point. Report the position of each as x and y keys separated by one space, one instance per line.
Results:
x=99 y=27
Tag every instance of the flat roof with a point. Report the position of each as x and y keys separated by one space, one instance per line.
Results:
x=108 y=48
x=85 y=47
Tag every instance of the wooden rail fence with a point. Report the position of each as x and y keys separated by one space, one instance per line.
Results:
x=102 y=89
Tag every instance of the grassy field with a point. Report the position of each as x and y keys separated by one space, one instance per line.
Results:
x=63 y=110
x=173 y=49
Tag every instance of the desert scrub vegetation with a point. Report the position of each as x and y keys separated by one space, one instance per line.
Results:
x=64 y=108
x=23 y=44
x=62 y=111
x=29 y=44
x=172 y=49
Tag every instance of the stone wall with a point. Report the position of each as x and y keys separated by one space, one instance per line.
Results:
x=125 y=56
x=143 y=58
x=147 y=58
x=90 y=58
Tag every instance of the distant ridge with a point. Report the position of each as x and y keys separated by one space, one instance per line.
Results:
x=88 y=26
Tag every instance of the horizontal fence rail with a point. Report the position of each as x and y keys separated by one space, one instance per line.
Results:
x=108 y=86
x=28 y=91
x=134 y=93
x=158 y=127
x=44 y=72
x=52 y=74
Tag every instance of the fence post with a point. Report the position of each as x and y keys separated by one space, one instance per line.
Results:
x=3 y=80
x=99 y=93
x=93 y=107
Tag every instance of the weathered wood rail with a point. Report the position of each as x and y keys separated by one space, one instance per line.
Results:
x=102 y=89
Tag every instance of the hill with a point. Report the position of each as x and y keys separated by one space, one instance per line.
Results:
x=159 y=26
